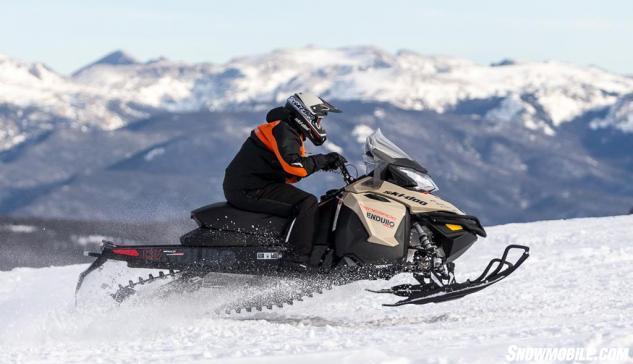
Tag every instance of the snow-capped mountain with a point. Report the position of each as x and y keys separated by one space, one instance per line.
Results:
x=408 y=80
x=34 y=98
x=118 y=89
x=124 y=139
x=115 y=58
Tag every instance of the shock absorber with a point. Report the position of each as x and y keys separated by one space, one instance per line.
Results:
x=423 y=236
x=428 y=255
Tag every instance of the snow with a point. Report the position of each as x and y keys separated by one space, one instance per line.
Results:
x=361 y=132
x=17 y=228
x=109 y=95
x=149 y=156
x=379 y=113
x=513 y=108
x=573 y=292
x=619 y=116
x=333 y=147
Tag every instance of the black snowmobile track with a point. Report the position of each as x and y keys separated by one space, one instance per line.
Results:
x=125 y=291
x=271 y=299
x=297 y=288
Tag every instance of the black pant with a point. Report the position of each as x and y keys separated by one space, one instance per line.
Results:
x=285 y=200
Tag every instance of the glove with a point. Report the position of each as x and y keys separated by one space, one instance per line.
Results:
x=329 y=162
x=336 y=160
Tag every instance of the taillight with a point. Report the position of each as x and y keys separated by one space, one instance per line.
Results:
x=126 y=251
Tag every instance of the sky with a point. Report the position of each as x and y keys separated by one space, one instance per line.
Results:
x=68 y=34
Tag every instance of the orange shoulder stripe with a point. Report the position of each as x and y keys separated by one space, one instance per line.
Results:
x=264 y=133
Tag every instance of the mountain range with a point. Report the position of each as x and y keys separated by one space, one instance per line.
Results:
x=124 y=139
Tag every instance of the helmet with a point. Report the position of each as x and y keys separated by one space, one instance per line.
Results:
x=308 y=110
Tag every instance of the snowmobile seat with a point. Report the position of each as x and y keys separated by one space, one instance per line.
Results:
x=221 y=224
x=223 y=216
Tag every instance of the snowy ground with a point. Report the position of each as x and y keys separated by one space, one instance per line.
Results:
x=574 y=291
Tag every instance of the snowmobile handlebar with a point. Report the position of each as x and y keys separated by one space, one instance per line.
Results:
x=347 y=177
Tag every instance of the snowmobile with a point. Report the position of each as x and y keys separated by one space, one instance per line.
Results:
x=378 y=225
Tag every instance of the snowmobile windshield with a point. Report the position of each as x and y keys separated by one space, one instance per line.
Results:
x=380 y=149
x=381 y=153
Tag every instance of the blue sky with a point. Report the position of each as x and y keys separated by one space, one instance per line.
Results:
x=67 y=34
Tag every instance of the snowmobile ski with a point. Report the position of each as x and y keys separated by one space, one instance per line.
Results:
x=432 y=292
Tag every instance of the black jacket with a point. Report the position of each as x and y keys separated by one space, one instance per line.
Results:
x=274 y=153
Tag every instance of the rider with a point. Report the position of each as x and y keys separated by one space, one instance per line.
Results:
x=261 y=175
